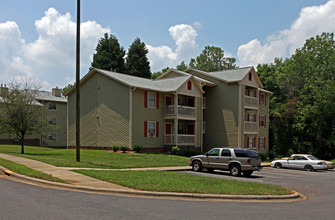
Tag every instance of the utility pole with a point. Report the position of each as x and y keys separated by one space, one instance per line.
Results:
x=78 y=84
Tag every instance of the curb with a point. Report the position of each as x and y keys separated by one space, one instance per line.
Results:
x=294 y=195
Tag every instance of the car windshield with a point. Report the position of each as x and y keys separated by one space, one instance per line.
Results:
x=312 y=158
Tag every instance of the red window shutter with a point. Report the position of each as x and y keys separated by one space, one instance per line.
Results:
x=264 y=143
x=145 y=128
x=189 y=85
x=254 y=142
x=255 y=94
x=145 y=99
x=248 y=142
x=248 y=92
x=157 y=100
x=157 y=129
x=254 y=117
x=259 y=143
x=248 y=117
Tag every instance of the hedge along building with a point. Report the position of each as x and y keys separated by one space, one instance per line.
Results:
x=119 y=109
x=53 y=115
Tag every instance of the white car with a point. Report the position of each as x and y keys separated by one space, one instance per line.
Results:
x=300 y=161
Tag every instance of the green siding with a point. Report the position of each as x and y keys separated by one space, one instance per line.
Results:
x=142 y=114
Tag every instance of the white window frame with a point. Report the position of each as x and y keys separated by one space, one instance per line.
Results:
x=50 y=106
x=52 y=136
x=151 y=131
x=152 y=101
x=261 y=143
x=251 y=143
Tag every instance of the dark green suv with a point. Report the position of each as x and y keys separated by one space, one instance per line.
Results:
x=235 y=160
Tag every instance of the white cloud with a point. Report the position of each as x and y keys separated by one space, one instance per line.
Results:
x=163 y=56
x=198 y=25
x=311 y=21
x=51 y=58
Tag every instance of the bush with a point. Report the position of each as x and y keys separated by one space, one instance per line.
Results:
x=175 y=150
x=115 y=148
x=137 y=148
x=272 y=155
x=124 y=148
x=289 y=152
x=190 y=152
x=263 y=156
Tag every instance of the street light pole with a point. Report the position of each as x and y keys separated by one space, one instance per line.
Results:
x=78 y=84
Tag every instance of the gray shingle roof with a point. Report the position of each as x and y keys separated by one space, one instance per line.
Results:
x=233 y=75
x=166 y=85
x=47 y=96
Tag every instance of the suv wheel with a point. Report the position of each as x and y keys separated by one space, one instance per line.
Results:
x=196 y=166
x=235 y=170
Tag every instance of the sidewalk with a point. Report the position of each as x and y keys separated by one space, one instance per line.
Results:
x=81 y=182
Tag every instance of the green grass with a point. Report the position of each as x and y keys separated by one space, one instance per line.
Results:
x=94 y=158
x=165 y=181
x=21 y=169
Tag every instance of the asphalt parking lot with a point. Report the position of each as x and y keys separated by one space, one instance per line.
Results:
x=316 y=185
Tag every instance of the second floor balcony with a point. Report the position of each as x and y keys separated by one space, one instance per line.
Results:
x=250 y=126
x=250 y=102
x=183 y=111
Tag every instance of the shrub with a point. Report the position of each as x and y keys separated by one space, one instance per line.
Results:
x=124 y=149
x=272 y=155
x=137 y=148
x=115 y=148
x=263 y=156
x=289 y=152
x=190 y=152
x=175 y=150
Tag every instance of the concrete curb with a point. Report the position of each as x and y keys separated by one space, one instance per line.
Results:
x=130 y=192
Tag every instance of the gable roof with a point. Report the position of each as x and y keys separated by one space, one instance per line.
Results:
x=229 y=76
x=166 y=85
x=47 y=96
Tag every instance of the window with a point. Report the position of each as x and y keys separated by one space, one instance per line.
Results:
x=262 y=121
x=250 y=76
x=189 y=85
x=152 y=100
x=52 y=121
x=240 y=153
x=225 y=153
x=252 y=93
x=261 y=143
x=52 y=106
x=151 y=128
x=252 y=117
x=251 y=142
x=213 y=152
x=262 y=102
x=52 y=136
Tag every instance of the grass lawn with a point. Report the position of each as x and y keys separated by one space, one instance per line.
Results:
x=176 y=182
x=94 y=158
x=21 y=169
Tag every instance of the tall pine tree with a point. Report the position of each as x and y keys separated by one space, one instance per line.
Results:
x=137 y=63
x=109 y=55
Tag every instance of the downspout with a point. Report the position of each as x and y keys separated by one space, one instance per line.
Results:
x=131 y=90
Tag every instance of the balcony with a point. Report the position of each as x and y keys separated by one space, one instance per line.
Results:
x=184 y=111
x=183 y=139
x=250 y=126
x=250 y=102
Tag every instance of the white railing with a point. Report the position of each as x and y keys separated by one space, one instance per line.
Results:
x=186 y=139
x=250 y=126
x=251 y=101
x=182 y=110
x=183 y=139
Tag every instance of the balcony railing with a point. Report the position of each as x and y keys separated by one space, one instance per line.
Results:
x=182 y=111
x=183 y=139
x=250 y=126
x=250 y=101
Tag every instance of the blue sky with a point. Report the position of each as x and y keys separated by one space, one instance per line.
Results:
x=37 y=38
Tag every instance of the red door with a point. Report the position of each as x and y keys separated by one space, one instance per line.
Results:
x=168 y=100
x=168 y=132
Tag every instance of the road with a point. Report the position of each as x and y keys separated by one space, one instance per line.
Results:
x=23 y=201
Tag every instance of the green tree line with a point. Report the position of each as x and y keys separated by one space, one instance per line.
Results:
x=302 y=107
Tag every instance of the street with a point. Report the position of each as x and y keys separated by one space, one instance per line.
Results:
x=23 y=201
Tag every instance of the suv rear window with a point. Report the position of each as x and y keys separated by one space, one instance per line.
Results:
x=245 y=153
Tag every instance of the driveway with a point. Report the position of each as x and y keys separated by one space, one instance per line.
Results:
x=317 y=185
